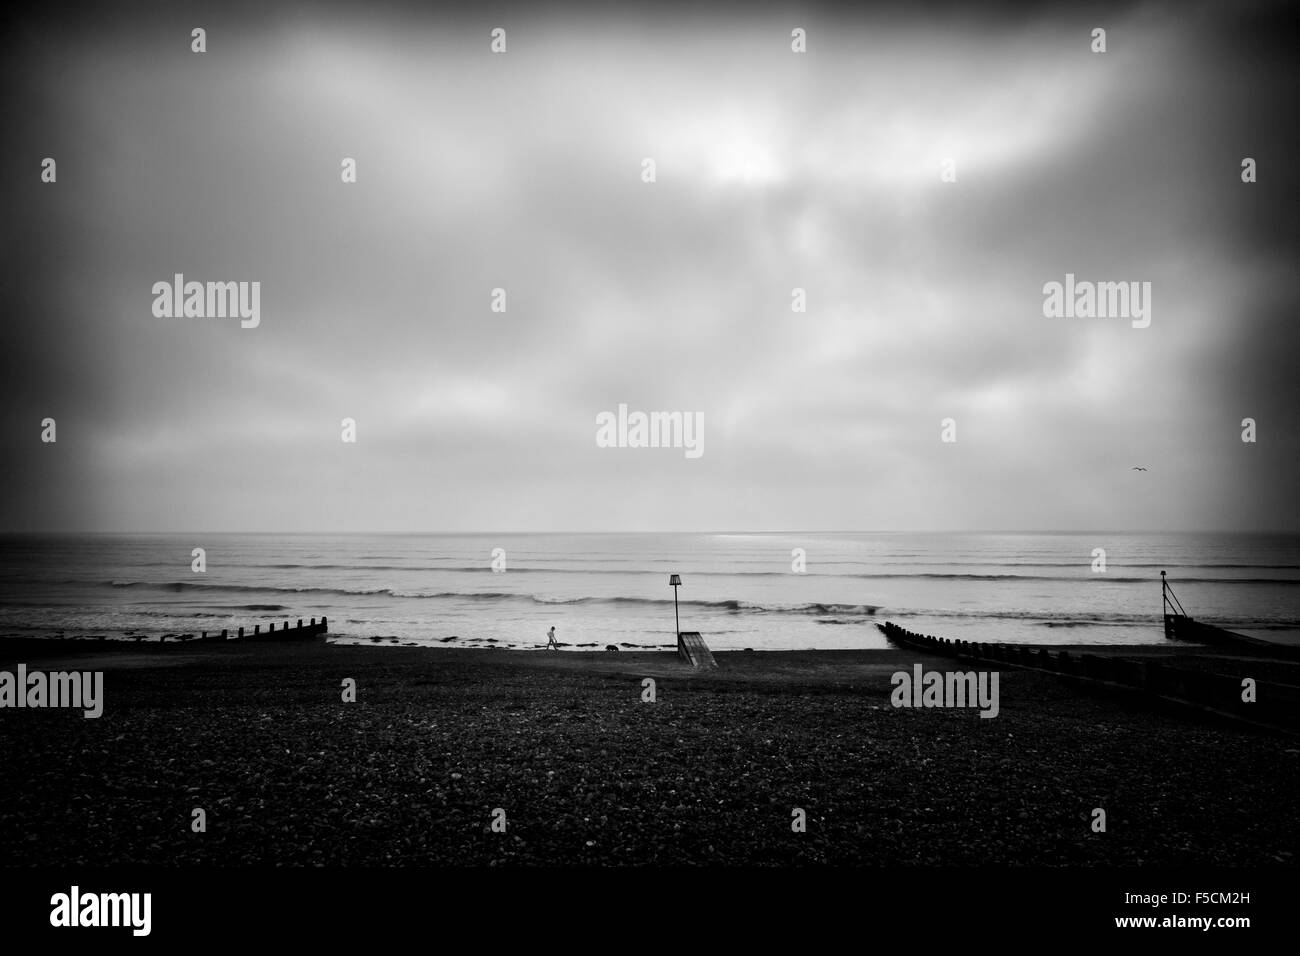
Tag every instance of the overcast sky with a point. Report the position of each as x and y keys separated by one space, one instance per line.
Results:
x=775 y=170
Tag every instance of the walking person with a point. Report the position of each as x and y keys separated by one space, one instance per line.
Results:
x=550 y=639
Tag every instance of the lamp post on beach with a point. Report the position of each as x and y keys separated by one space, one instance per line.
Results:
x=675 y=581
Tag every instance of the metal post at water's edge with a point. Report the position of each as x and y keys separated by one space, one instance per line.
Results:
x=1169 y=604
x=675 y=581
x=1164 y=608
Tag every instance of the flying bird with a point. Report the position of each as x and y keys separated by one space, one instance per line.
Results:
x=1136 y=468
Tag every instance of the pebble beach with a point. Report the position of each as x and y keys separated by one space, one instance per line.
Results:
x=562 y=752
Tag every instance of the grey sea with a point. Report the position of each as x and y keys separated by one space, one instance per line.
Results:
x=765 y=591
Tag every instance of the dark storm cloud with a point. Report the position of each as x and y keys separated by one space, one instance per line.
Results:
x=774 y=171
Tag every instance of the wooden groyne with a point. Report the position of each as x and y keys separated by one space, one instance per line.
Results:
x=1275 y=704
x=1180 y=627
x=271 y=631
x=302 y=632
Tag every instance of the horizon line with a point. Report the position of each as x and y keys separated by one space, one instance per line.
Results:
x=731 y=531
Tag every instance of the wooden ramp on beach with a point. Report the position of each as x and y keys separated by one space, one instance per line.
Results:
x=692 y=649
